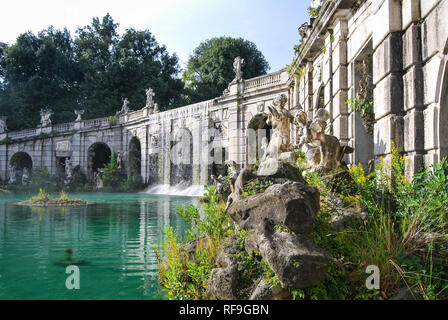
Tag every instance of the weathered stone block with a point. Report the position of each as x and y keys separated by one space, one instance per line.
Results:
x=340 y=79
x=414 y=131
x=387 y=57
x=387 y=19
x=413 y=88
x=430 y=80
x=410 y=12
x=340 y=127
x=387 y=129
x=412 y=46
x=388 y=96
x=431 y=124
x=339 y=103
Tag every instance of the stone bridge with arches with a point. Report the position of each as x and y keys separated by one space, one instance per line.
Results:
x=390 y=54
x=181 y=145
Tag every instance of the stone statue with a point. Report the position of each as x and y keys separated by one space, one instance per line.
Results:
x=303 y=30
x=124 y=108
x=68 y=171
x=280 y=119
x=149 y=97
x=3 y=127
x=324 y=152
x=156 y=108
x=12 y=173
x=98 y=176
x=79 y=114
x=120 y=160
x=264 y=147
x=238 y=64
x=217 y=183
x=45 y=115
x=25 y=176
x=233 y=175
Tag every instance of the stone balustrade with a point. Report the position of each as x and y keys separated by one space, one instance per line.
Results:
x=265 y=81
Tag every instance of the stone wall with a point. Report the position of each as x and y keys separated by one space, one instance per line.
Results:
x=406 y=44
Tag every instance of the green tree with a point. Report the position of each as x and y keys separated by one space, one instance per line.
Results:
x=92 y=72
x=117 y=67
x=39 y=71
x=210 y=68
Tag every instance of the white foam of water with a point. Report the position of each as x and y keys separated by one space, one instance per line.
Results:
x=178 y=190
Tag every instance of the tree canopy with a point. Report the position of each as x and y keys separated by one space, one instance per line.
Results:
x=94 y=72
x=97 y=68
x=210 y=68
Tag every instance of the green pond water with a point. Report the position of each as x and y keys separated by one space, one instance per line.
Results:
x=114 y=239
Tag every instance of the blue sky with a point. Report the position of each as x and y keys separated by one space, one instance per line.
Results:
x=179 y=24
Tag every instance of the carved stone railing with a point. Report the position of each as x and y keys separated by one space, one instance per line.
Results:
x=265 y=81
x=22 y=133
x=100 y=122
x=64 y=127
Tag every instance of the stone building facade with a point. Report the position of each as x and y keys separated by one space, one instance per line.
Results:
x=387 y=52
x=378 y=66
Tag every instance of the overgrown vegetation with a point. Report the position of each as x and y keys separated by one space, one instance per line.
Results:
x=185 y=276
x=405 y=233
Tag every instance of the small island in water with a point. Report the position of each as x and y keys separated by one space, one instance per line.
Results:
x=43 y=200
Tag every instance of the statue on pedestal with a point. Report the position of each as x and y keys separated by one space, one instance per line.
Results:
x=238 y=64
x=124 y=108
x=79 y=114
x=12 y=173
x=120 y=160
x=149 y=97
x=280 y=119
x=68 y=171
x=25 y=176
x=98 y=176
x=45 y=115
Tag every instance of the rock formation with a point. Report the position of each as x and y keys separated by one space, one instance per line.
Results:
x=279 y=223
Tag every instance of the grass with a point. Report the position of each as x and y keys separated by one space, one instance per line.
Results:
x=45 y=197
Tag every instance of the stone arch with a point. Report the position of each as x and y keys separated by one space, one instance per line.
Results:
x=98 y=155
x=21 y=160
x=181 y=169
x=262 y=129
x=135 y=156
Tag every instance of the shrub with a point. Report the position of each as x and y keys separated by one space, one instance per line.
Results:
x=186 y=277
x=405 y=233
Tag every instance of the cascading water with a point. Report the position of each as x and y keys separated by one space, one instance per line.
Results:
x=178 y=190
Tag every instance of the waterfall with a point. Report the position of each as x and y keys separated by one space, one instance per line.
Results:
x=178 y=190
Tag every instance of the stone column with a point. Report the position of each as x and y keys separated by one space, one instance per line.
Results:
x=414 y=133
x=339 y=71
x=234 y=135
x=387 y=77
